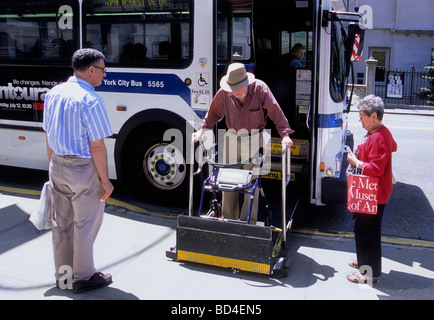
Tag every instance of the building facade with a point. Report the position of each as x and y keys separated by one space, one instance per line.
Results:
x=400 y=33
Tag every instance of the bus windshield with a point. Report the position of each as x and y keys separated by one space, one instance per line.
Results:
x=338 y=70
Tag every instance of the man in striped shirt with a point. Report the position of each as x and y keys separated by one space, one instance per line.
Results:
x=245 y=102
x=76 y=123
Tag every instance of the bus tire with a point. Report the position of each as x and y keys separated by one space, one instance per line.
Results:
x=154 y=169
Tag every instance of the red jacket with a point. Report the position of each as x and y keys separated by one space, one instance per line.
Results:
x=376 y=153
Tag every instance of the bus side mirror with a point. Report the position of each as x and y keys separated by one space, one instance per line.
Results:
x=356 y=37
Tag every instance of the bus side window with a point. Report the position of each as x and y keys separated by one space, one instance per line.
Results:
x=145 y=35
x=43 y=31
x=7 y=47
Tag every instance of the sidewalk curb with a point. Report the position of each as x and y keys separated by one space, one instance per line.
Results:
x=385 y=239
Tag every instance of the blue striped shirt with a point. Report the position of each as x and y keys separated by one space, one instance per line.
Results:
x=74 y=115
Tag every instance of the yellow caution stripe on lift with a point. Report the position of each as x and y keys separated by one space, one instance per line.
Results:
x=224 y=262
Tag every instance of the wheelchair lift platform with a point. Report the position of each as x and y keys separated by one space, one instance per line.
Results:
x=229 y=244
x=235 y=244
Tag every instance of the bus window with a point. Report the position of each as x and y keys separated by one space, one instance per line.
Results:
x=235 y=32
x=140 y=33
x=42 y=30
x=289 y=39
x=241 y=39
x=224 y=32
x=338 y=83
x=222 y=38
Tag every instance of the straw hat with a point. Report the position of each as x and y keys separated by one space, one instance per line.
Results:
x=236 y=78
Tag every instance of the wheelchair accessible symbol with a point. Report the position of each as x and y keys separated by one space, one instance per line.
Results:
x=203 y=80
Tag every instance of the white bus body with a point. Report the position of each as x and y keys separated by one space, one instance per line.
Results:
x=164 y=60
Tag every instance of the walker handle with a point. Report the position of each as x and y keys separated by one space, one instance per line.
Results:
x=286 y=177
x=190 y=187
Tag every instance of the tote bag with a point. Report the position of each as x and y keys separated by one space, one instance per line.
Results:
x=42 y=218
x=362 y=194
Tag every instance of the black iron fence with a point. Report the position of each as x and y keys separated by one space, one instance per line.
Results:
x=401 y=86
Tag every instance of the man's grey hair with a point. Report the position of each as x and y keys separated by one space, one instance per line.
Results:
x=370 y=104
x=84 y=58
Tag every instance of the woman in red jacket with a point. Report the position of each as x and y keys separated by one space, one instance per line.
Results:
x=374 y=158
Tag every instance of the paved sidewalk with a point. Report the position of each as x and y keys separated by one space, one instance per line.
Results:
x=132 y=247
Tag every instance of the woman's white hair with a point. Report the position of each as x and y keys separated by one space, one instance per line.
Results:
x=370 y=104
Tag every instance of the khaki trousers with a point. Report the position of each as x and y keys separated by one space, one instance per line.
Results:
x=240 y=147
x=79 y=213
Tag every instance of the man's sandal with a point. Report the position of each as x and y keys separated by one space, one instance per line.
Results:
x=98 y=280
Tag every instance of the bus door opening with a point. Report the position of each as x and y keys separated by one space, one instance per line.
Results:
x=281 y=27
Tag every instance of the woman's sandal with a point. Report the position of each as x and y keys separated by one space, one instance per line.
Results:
x=354 y=264
x=357 y=277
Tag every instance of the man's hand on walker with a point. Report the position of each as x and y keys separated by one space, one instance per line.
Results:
x=287 y=140
x=197 y=135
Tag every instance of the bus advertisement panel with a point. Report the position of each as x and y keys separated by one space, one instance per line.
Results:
x=22 y=94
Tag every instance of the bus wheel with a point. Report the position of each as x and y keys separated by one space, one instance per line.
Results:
x=164 y=166
x=155 y=169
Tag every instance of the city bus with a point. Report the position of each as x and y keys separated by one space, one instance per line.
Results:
x=164 y=61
